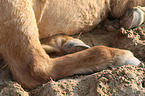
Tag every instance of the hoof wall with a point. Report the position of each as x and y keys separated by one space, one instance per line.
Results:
x=74 y=45
x=133 y=61
x=133 y=18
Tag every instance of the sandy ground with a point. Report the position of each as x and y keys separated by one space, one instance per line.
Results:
x=122 y=81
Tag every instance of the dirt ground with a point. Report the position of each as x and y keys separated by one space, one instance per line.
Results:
x=121 y=81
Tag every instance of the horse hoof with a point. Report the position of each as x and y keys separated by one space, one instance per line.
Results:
x=74 y=45
x=133 y=18
x=133 y=61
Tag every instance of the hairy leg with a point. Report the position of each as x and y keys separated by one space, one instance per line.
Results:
x=20 y=45
x=91 y=60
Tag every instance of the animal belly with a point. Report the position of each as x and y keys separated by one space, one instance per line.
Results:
x=71 y=16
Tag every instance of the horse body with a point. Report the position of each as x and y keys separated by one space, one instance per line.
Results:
x=24 y=22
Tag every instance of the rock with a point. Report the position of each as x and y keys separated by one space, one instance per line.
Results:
x=12 y=89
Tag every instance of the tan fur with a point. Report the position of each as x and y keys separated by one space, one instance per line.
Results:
x=21 y=20
x=71 y=17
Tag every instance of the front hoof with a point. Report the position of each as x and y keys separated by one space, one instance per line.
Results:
x=74 y=45
x=133 y=18
x=126 y=57
x=133 y=61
